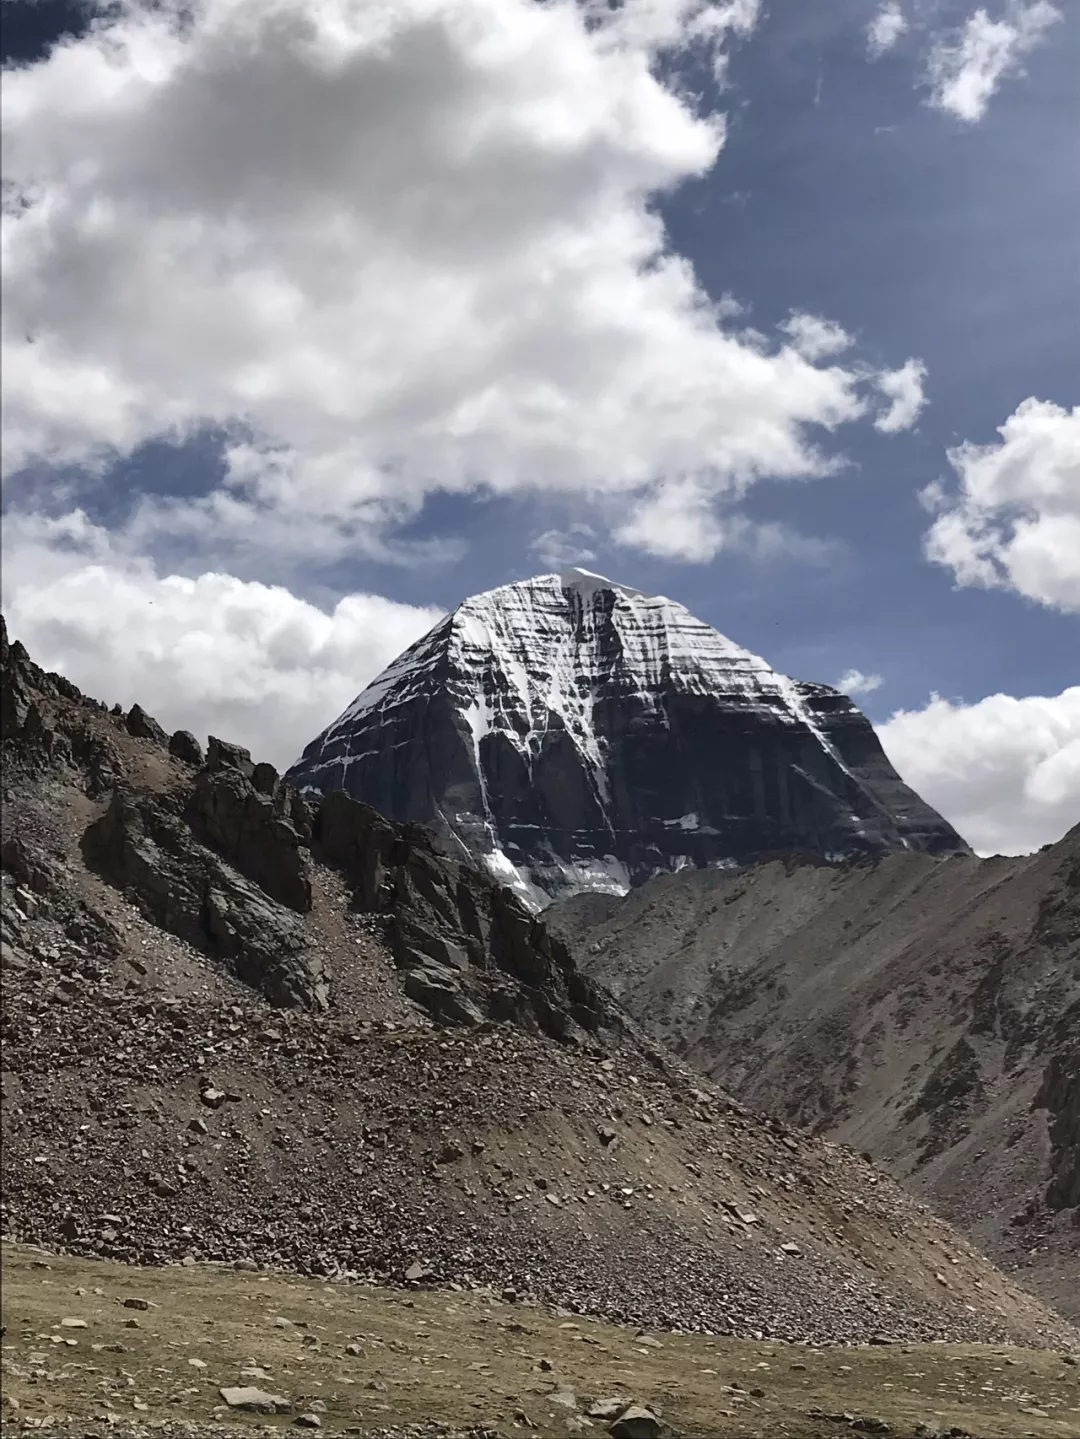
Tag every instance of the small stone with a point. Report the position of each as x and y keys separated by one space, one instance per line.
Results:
x=418 y=1271
x=308 y=1421
x=133 y=1302
x=357 y=1350
x=254 y=1400
x=198 y=1126
x=637 y=1422
x=757 y=1393
x=73 y=1324
x=213 y=1098
x=607 y=1408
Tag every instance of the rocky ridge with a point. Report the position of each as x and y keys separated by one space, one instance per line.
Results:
x=573 y=734
x=927 y=1012
x=216 y=1047
x=222 y=854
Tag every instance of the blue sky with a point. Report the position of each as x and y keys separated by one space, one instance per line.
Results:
x=931 y=224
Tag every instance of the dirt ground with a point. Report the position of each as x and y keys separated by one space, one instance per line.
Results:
x=362 y=1360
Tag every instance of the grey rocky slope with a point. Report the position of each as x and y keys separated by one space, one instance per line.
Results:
x=928 y=1012
x=215 y=1044
x=574 y=734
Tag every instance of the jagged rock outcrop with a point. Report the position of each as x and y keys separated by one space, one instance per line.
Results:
x=184 y=746
x=575 y=734
x=144 y=726
x=144 y=845
x=254 y=829
x=467 y=947
x=221 y=853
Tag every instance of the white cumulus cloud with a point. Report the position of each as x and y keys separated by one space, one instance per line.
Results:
x=854 y=682
x=249 y=662
x=885 y=29
x=1012 y=520
x=903 y=388
x=964 y=70
x=815 y=338
x=1004 y=771
x=387 y=249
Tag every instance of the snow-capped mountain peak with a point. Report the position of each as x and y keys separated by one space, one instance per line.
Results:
x=572 y=732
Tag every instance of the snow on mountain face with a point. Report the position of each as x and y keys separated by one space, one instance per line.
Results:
x=572 y=733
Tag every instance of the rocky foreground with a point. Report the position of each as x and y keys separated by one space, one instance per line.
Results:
x=93 y=1347
x=239 y=1028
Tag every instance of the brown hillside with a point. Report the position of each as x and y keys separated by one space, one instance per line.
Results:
x=237 y=1027
x=925 y=1011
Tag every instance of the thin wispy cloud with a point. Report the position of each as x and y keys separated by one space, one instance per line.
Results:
x=558 y=549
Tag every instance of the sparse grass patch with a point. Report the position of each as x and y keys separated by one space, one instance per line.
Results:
x=366 y=1358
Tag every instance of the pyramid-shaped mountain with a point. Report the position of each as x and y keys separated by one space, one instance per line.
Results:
x=575 y=734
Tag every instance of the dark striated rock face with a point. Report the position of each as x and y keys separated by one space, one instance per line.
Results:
x=467 y=947
x=144 y=845
x=1060 y=1094
x=574 y=734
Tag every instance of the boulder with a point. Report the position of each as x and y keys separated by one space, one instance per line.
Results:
x=222 y=755
x=254 y=1400
x=143 y=726
x=264 y=777
x=185 y=747
x=637 y=1422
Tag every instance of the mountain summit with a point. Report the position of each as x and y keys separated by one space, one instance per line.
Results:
x=576 y=734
